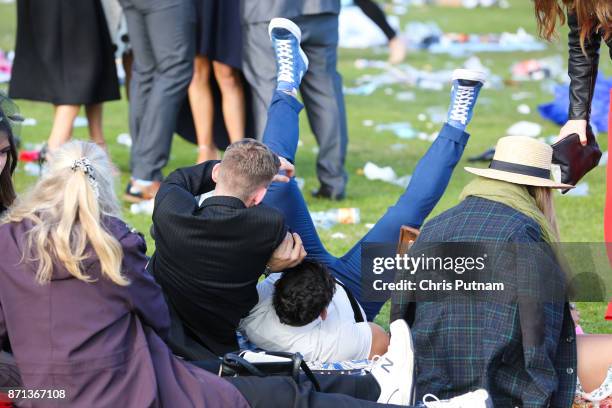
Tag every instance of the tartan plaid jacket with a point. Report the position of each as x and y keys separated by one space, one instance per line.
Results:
x=523 y=354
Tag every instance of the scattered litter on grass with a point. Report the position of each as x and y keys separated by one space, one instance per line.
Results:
x=143 y=207
x=581 y=190
x=338 y=235
x=604 y=159
x=29 y=122
x=436 y=114
x=557 y=110
x=329 y=218
x=406 y=96
x=454 y=3
x=523 y=109
x=315 y=150
x=485 y=156
x=356 y=30
x=428 y=137
x=551 y=139
x=80 y=121
x=405 y=74
x=124 y=139
x=396 y=147
x=28 y=156
x=368 y=123
x=519 y=96
x=369 y=225
x=373 y=172
x=429 y=36
x=300 y=182
x=403 y=130
x=32 y=169
x=539 y=69
x=524 y=128
x=6 y=65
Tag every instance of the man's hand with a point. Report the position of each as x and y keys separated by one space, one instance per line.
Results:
x=288 y=168
x=288 y=254
x=578 y=126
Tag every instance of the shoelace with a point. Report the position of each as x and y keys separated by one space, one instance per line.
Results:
x=284 y=51
x=463 y=100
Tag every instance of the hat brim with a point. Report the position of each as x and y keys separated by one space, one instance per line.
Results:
x=516 y=178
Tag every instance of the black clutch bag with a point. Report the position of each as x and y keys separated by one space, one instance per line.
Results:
x=266 y=364
x=574 y=159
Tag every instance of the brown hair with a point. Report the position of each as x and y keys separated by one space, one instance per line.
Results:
x=7 y=191
x=592 y=15
x=246 y=166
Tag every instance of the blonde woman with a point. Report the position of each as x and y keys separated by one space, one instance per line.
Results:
x=87 y=321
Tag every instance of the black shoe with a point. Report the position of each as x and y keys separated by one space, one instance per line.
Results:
x=325 y=193
x=483 y=157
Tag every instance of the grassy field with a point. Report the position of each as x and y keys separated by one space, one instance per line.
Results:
x=580 y=218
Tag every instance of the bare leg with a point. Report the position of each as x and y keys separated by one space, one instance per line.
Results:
x=232 y=94
x=201 y=101
x=380 y=341
x=62 y=125
x=594 y=359
x=94 y=119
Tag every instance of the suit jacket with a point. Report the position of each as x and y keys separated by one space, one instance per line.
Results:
x=259 y=11
x=582 y=69
x=523 y=353
x=100 y=342
x=209 y=258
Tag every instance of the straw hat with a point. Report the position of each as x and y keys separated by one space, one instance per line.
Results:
x=521 y=160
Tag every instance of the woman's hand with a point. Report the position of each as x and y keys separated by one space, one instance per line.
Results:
x=578 y=126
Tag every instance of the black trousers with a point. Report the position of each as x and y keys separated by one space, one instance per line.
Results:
x=337 y=391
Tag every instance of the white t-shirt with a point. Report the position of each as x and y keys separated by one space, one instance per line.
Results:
x=337 y=338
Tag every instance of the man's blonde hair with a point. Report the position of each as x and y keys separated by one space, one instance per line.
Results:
x=246 y=166
x=66 y=207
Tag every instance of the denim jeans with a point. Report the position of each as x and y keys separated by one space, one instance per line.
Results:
x=430 y=178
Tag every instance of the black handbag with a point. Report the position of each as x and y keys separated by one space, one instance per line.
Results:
x=574 y=159
x=234 y=364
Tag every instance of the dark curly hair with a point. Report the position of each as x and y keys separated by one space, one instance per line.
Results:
x=302 y=293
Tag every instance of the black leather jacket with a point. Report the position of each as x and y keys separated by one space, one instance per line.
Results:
x=582 y=69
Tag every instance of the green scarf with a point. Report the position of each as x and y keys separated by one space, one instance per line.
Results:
x=512 y=195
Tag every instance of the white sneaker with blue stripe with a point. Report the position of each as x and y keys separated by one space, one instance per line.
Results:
x=291 y=61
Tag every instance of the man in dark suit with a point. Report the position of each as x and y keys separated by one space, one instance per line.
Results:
x=209 y=256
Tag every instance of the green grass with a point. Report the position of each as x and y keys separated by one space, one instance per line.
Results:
x=580 y=218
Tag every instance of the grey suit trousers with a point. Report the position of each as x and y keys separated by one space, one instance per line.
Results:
x=321 y=89
x=162 y=33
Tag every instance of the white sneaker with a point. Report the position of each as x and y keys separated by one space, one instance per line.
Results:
x=394 y=371
x=475 y=399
